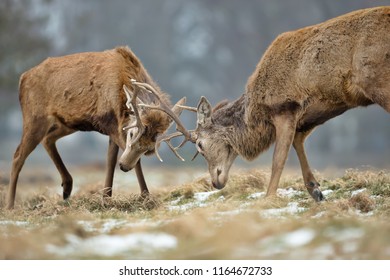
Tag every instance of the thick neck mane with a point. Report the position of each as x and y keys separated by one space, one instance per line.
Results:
x=248 y=135
x=155 y=120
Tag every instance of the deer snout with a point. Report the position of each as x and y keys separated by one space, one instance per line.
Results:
x=124 y=168
x=219 y=178
x=128 y=160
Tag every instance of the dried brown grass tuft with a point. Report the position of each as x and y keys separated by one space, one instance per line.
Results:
x=377 y=181
x=228 y=228
x=363 y=202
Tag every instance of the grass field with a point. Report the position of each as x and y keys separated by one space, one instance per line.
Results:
x=191 y=220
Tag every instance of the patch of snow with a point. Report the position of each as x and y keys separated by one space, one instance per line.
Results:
x=344 y=234
x=231 y=213
x=176 y=201
x=291 y=208
x=87 y=225
x=290 y=192
x=111 y=245
x=284 y=243
x=106 y=227
x=326 y=192
x=14 y=223
x=200 y=199
x=319 y=215
x=358 y=191
x=110 y=225
x=364 y=214
x=323 y=251
x=256 y=195
x=299 y=237
x=203 y=196
x=185 y=207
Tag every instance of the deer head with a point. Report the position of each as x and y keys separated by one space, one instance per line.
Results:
x=146 y=130
x=212 y=142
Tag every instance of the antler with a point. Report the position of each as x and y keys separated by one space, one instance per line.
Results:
x=167 y=139
x=163 y=107
x=132 y=103
x=182 y=131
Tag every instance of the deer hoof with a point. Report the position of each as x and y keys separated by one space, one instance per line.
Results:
x=317 y=195
x=67 y=186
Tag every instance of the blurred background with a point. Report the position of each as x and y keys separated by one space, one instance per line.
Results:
x=191 y=48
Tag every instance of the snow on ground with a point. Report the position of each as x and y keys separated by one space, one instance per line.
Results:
x=112 y=245
x=326 y=192
x=200 y=201
x=358 y=191
x=145 y=243
x=106 y=226
x=102 y=226
x=14 y=223
x=299 y=237
x=290 y=192
x=291 y=208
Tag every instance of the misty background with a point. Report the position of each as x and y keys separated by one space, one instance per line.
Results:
x=191 y=48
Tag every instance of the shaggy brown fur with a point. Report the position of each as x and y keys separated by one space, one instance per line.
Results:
x=83 y=91
x=305 y=78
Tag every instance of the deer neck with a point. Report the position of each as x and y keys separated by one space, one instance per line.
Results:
x=248 y=134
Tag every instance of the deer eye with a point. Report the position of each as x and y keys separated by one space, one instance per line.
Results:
x=128 y=113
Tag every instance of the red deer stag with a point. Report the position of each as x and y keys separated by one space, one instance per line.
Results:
x=305 y=78
x=87 y=92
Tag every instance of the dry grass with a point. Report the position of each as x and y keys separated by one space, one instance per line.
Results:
x=234 y=223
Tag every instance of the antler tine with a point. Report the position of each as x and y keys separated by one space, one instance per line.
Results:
x=181 y=130
x=132 y=102
x=189 y=108
x=167 y=139
x=163 y=107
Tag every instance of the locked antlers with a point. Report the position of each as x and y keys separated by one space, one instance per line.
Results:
x=133 y=104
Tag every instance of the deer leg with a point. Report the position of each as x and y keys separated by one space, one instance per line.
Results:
x=141 y=179
x=30 y=140
x=112 y=156
x=285 y=130
x=49 y=142
x=310 y=182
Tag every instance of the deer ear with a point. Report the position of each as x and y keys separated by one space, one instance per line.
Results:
x=204 y=111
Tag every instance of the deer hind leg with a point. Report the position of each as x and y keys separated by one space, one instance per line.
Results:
x=112 y=157
x=32 y=135
x=310 y=182
x=285 y=130
x=49 y=142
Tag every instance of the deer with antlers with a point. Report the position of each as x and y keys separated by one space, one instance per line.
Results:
x=305 y=78
x=109 y=92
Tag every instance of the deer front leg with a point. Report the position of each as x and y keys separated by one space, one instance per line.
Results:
x=141 y=179
x=112 y=156
x=310 y=182
x=285 y=130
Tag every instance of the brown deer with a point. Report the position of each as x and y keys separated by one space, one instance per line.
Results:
x=87 y=92
x=305 y=78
